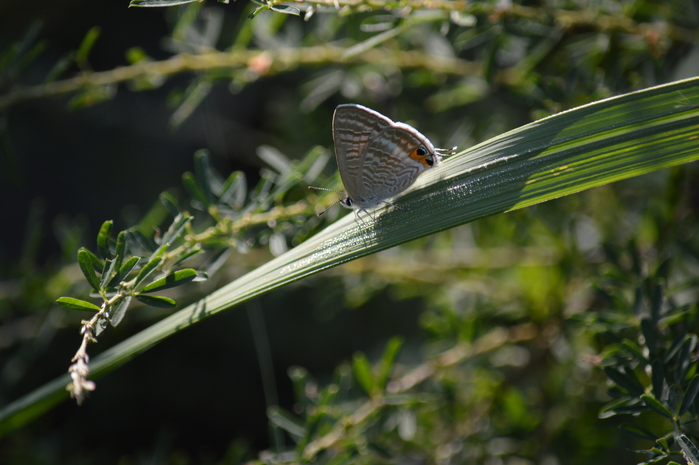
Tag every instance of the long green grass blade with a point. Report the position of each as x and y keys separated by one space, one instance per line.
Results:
x=589 y=146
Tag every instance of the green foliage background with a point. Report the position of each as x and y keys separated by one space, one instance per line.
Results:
x=525 y=337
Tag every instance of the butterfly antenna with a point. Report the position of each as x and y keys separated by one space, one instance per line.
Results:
x=324 y=189
x=329 y=190
x=332 y=205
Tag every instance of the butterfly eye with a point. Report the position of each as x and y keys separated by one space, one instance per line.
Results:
x=422 y=151
x=429 y=160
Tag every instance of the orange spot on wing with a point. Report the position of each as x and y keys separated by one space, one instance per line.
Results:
x=422 y=159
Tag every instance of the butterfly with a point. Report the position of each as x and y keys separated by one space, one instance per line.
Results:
x=377 y=157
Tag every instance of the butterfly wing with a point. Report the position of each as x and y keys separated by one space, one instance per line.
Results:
x=392 y=162
x=355 y=126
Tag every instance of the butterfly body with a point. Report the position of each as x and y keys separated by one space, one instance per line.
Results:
x=377 y=158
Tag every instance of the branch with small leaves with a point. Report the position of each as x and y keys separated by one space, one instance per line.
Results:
x=135 y=266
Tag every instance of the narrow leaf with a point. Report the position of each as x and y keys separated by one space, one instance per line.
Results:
x=150 y=267
x=124 y=271
x=690 y=395
x=86 y=266
x=284 y=420
x=186 y=256
x=196 y=92
x=234 y=190
x=638 y=432
x=175 y=279
x=175 y=229
x=139 y=244
x=257 y=10
x=204 y=175
x=120 y=252
x=190 y=183
x=156 y=301
x=363 y=374
x=689 y=448
x=630 y=384
x=286 y=9
x=119 y=310
x=103 y=239
x=86 y=45
x=684 y=357
x=387 y=361
x=108 y=274
x=170 y=204
x=634 y=350
x=77 y=304
x=655 y=405
x=97 y=264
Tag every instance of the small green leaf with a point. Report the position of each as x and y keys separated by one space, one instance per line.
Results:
x=666 y=441
x=103 y=239
x=630 y=384
x=623 y=407
x=119 y=310
x=363 y=374
x=638 y=432
x=684 y=357
x=187 y=256
x=97 y=264
x=234 y=190
x=689 y=448
x=157 y=301
x=108 y=274
x=136 y=55
x=634 y=350
x=120 y=252
x=690 y=395
x=86 y=266
x=77 y=304
x=170 y=204
x=387 y=360
x=299 y=379
x=257 y=10
x=286 y=9
x=61 y=65
x=175 y=279
x=139 y=244
x=175 y=229
x=124 y=271
x=655 y=405
x=284 y=420
x=86 y=46
x=155 y=260
x=216 y=261
x=674 y=348
x=204 y=175
x=190 y=183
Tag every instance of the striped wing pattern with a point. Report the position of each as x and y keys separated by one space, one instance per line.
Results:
x=375 y=156
x=388 y=169
x=353 y=128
